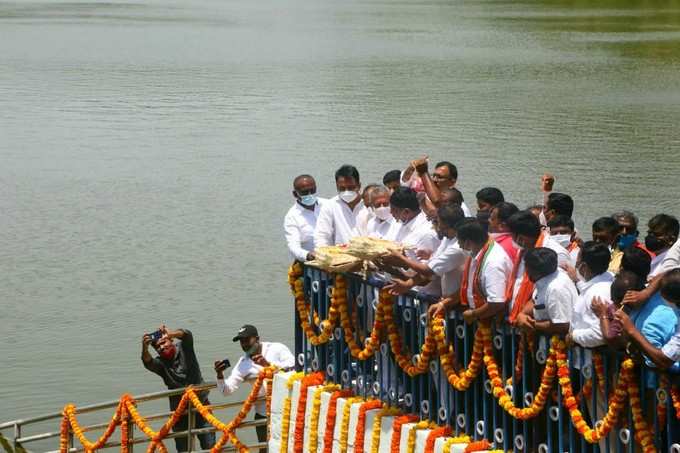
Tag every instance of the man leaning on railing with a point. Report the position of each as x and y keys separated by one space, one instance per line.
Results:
x=177 y=365
x=258 y=355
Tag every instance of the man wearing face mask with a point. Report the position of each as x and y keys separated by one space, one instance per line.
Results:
x=443 y=269
x=382 y=220
x=411 y=226
x=178 y=366
x=527 y=234
x=628 y=230
x=662 y=232
x=257 y=355
x=337 y=222
x=300 y=221
x=485 y=274
x=595 y=282
x=563 y=232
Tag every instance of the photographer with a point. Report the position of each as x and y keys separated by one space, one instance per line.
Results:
x=177 y=365
x=258 y=355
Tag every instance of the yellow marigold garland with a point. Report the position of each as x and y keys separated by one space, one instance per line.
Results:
x=616 y=404
x=372 y=343
x=310 y=380
x=70 y=416
x=313 y=442
x=541 y=397
x=344 y=426
x=285 y=417
x=675 y=399
x=455 y=441
x=411 y=442
x=377 y=424
x=326 y=326
x=359 y=437
x=404 y=360
x=459 y=380
x=643 y=434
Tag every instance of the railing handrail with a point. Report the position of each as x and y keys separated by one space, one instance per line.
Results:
x=105 y=405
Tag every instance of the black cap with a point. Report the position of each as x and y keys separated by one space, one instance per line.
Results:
x=246 y=331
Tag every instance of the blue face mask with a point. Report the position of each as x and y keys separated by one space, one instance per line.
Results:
x=626 y=240
x=308 y=200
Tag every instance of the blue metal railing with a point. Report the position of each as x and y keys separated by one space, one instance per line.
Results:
x=475 y=411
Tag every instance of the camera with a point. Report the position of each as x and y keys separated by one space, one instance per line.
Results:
x=155 y=336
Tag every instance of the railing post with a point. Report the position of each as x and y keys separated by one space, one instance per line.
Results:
x=190 y=424
x=130 y=435
x=17 y=435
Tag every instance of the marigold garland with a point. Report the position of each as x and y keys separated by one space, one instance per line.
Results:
x=396 y=430
x=504 y=400
x=411 y=440
x=643 y=434
x=331 y=415
x=344 y=425
x=464 y=439
x=298 y=436
x=616 y=404
x=441 y=431
x=313 y=442
x=373 y=341
x=287 y=404
x=479 y=445
x=361 y=423
x=675 y=399
x=124 y=432
x=404 y=360
x=462 y=380
x=325 y=327
x=377 y=427
x=70 y=417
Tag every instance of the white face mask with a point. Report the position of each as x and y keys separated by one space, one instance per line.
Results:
x=348 y=196
x=382 y=212
x=563 y=239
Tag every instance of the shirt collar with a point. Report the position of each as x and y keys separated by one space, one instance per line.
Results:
x=602 y=278
x=545 y=281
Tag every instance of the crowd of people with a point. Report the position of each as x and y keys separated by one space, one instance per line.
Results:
x=528 y=266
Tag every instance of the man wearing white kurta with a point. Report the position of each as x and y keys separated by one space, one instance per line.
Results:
x=300 y=221
x=337 y=222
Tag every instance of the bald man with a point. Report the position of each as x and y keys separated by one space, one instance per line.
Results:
x=300 y=221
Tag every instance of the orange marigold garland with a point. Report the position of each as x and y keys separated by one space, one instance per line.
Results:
x=396 y=430
x=411 y=441
x=344 y=425
x=361 y=423
x=308 y=381
x=377 y=425
x=675 y=399
x=479 y=445
x=616 y=404
x=459 y=380
x=70 y=416
x=405 y=361
x=124 y=432
x=330 y=419
x=442 y=431
x=63 y=434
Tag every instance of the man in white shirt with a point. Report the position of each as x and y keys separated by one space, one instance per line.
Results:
x=527 y=234
x=258 y=355
x=443 y=178
x=381 y=221
x=662 y=232
x=412 y=229
x=486 y=273
x=300 y=221
x=563 y=232
x=444 y=267
x=554 y=296
x=592 y=265
x=337 y=222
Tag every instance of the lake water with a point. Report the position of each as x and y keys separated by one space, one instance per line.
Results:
x=147 y=150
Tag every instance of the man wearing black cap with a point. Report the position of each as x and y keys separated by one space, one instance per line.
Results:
x=258 y=355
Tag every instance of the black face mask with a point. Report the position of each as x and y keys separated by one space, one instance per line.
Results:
x=653 y=243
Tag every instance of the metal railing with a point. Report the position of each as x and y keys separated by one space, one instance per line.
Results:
x=476 y=411
x=17 y=442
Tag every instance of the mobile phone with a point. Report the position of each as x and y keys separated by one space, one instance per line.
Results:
x=226 y=363
x=155 y=336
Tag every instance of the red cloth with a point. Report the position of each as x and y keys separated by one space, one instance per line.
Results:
x=505 y=241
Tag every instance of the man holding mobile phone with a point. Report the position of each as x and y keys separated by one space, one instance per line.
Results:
x=178 y=366
x=258 y=355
